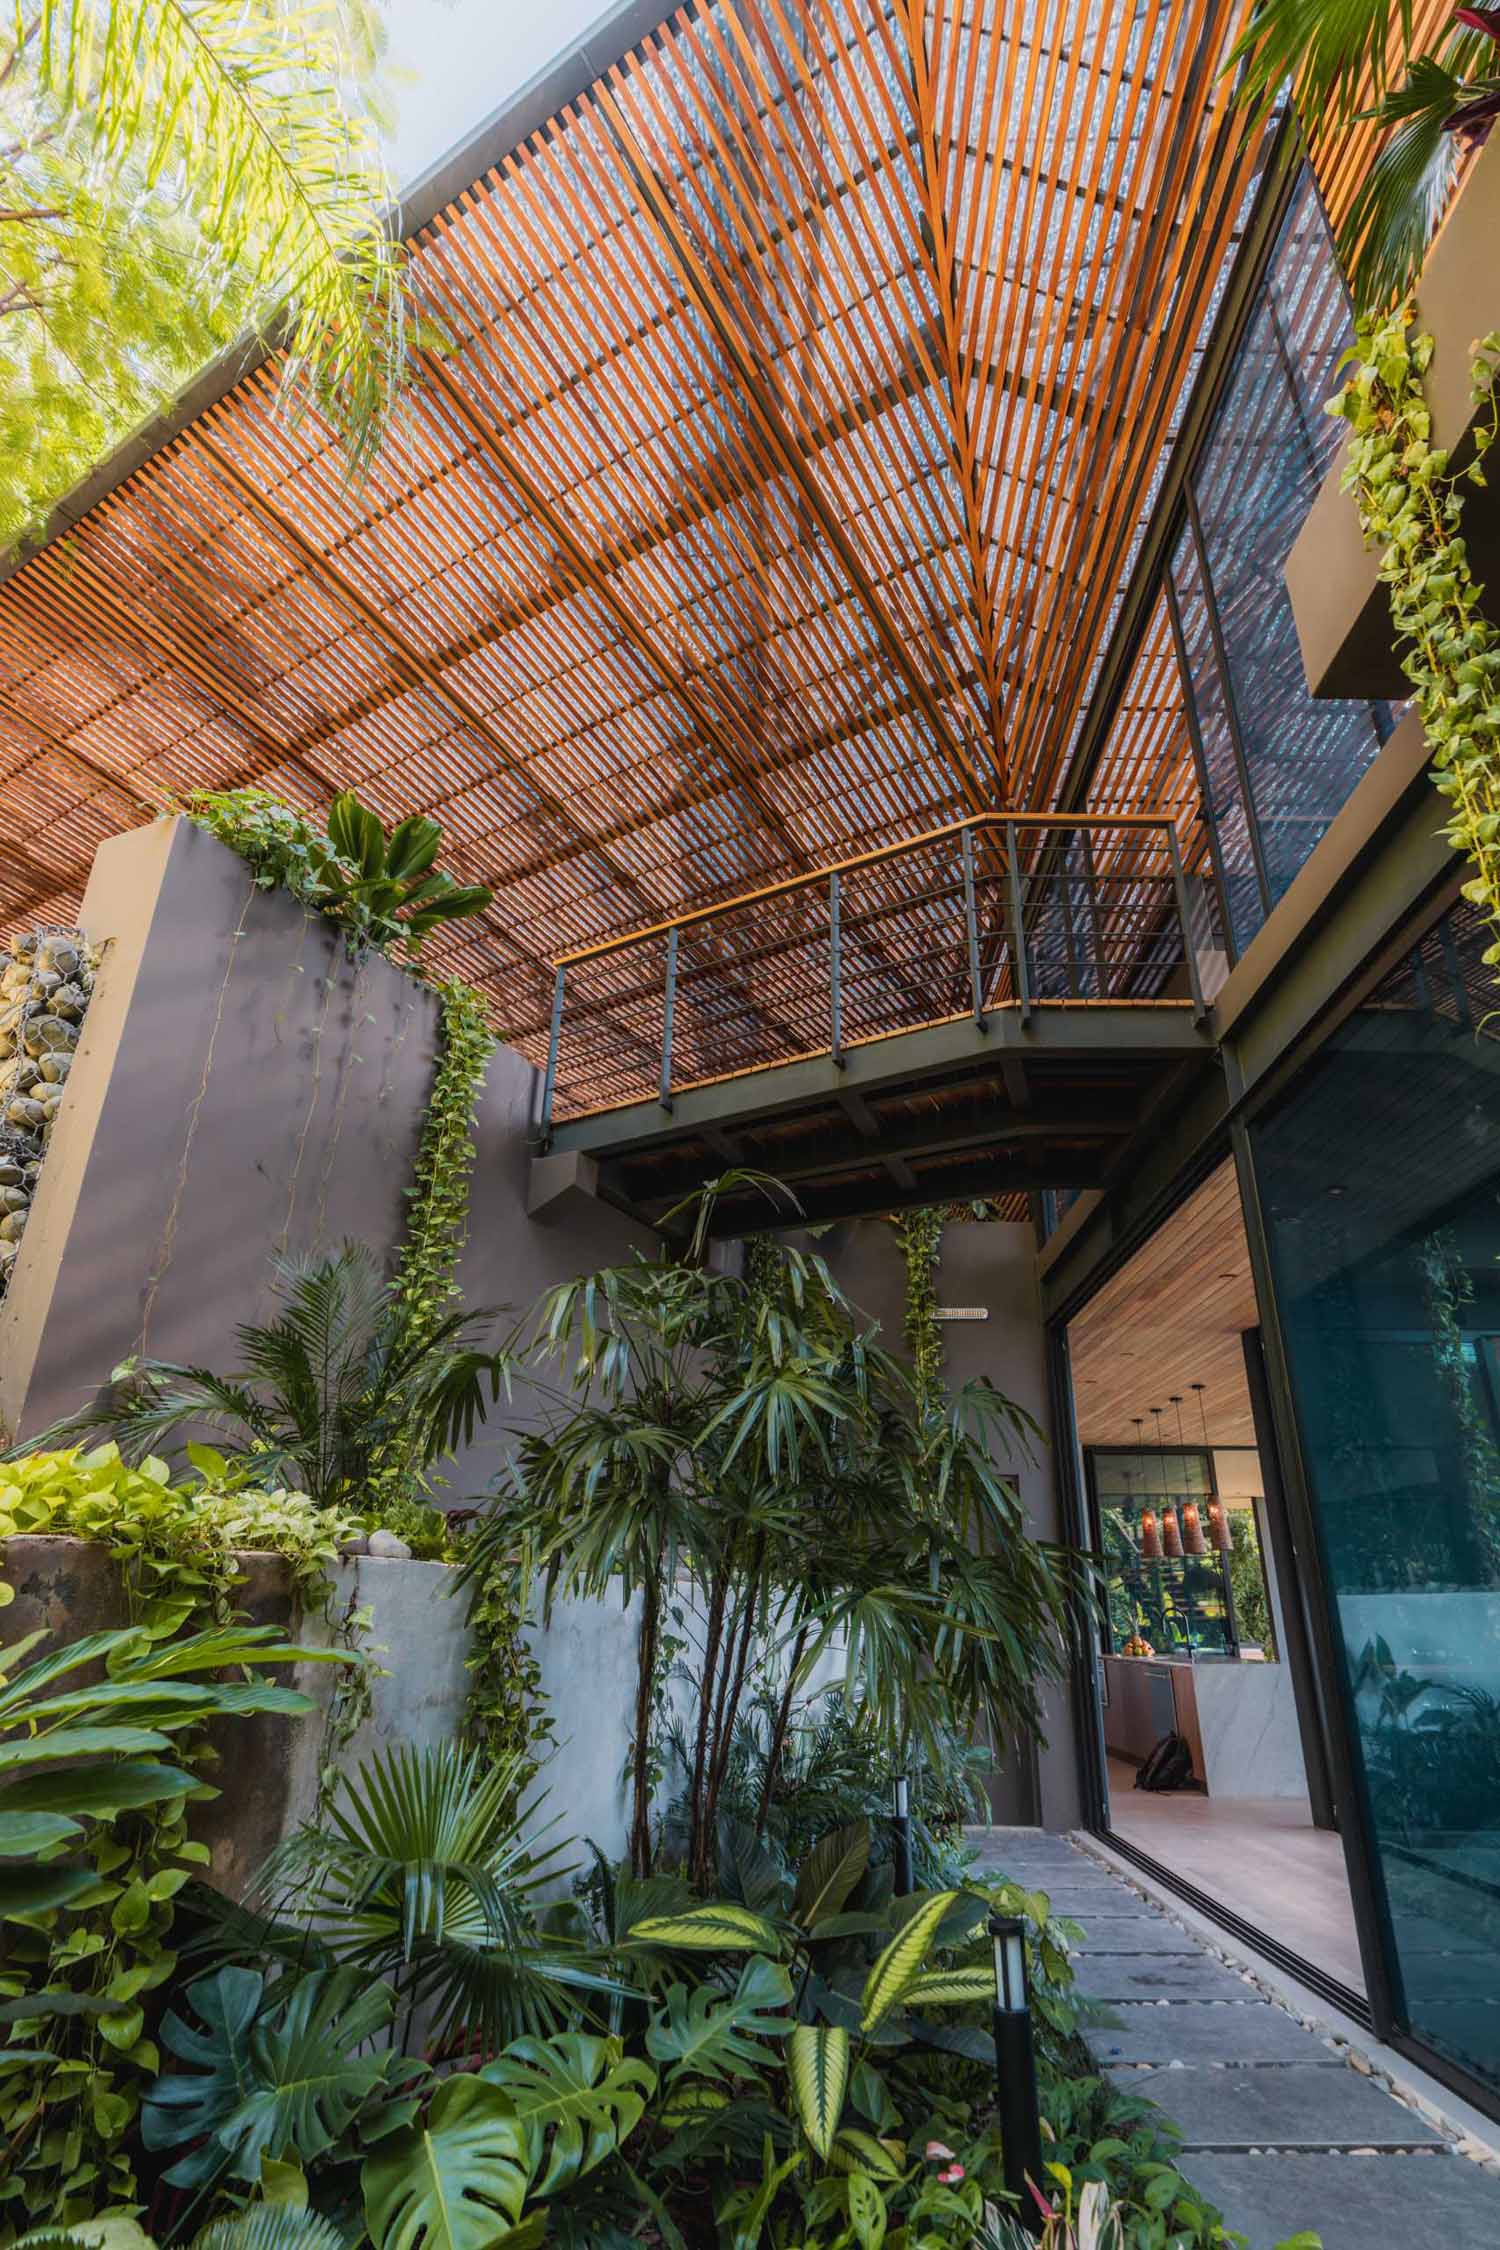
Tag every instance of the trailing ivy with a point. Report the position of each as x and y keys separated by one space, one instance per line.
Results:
x=1410 y=502
x=506 y=1715
x=438 y=1199
x=425 y=1287
x=920 y=1234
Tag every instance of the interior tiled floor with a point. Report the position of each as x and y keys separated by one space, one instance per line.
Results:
x=1260 y=1856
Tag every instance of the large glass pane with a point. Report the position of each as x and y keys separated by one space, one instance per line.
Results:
x=1380 y=1178
x=1224 y=804
x=1269 y=449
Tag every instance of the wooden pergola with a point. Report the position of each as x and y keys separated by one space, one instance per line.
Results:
x=807 y=384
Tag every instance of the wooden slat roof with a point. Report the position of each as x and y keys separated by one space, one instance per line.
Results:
x=808 y=380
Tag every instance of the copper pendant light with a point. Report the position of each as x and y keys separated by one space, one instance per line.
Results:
x=1221 y=1538
x=1171 y=1530
x=1193 y=1541
x=1150 y=1536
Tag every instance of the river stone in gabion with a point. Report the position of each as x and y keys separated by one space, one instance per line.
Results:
x=41 y=1035
x=45 y=983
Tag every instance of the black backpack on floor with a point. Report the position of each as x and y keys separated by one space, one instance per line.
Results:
x=1170 y=1765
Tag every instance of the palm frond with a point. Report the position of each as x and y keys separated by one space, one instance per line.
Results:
x=1391 y=221
x=1335 y=54
x=247 y=108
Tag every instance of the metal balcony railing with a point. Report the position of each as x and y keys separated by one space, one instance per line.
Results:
x=996 y=912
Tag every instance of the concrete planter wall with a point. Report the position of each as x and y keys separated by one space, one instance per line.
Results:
x=267 y=1767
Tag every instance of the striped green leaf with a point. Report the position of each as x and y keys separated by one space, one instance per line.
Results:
x=951 y=1988
x=857 y=2151
x=817 y=2056
x=887 y=1982
x=715 y=1928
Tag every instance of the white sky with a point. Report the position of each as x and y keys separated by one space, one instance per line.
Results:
x=454 y=61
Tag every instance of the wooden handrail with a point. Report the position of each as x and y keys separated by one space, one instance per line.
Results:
x=816 y=875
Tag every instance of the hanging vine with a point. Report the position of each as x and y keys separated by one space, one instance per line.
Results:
x=1411 y=503
x=920 y=1234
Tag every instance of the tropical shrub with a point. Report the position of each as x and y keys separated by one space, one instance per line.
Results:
x=1356 y=61
x=834 y=1767
x=329 y=1395
x=170 y=174
x=99 y=1743
x=745 y=1448
x=176 y=1543
x=382 y=890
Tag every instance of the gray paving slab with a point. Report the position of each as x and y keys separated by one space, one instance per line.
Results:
x=1134 y=1933
x=1104 y=1896
x=1353 y=2202
x=1207 y=2031
x=1164 y=1976
x=1280 y=2106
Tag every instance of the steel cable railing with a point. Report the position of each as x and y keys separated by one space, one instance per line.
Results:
x=996 y=912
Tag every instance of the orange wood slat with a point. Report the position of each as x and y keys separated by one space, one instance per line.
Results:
x=805 y=386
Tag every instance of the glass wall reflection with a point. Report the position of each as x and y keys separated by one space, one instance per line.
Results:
x=1380 y=1178
x=1275 y=764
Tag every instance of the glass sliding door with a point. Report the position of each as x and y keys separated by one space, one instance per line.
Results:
x=1379 y=1179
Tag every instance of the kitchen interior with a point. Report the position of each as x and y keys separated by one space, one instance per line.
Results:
x=1183 y=1502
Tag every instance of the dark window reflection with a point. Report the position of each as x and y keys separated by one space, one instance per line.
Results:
x=1380 y=1177
x=1278 y=765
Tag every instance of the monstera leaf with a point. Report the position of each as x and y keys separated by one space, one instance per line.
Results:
x=455 y=2182
x=575 y=2096
x=708 y=2034
x=277 y=2074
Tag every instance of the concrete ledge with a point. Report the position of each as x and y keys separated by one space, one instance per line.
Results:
x=1340 y=607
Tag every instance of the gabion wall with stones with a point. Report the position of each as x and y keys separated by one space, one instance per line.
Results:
x=45 y=984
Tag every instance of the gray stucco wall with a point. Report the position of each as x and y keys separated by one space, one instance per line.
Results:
x=244 y=1088
x=991 y=1265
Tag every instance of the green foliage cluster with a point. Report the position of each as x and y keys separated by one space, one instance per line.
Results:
x=920 y=1234
x=835 y=1767
x=101 y=1742
x=804 y=2059
x=172 y=171
x=1410 y=504
x=383 y=891
x=176 y=1543
x=333 y=1395
x=1247 y=1579
x=1354 y=62
x=754 y=1456
x=425 y=1292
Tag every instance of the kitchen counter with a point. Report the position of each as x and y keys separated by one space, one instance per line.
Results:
x=1238 y=1719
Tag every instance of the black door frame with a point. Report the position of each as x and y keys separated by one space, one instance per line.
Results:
x=1383 y=2008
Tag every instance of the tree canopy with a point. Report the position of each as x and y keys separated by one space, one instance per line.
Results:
x=171 y=172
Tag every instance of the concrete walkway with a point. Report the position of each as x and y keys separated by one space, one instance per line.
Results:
x=1278 y=2128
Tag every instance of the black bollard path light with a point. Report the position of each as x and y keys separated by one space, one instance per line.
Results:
x=1015 y=2068
x=901 y=1824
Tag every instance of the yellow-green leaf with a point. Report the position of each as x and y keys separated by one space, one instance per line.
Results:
x=886 y=1984
x=951 y=1988
x=817 y=2056
x=715 y=1928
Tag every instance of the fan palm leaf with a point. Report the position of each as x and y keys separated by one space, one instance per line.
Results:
x=331 y=1392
